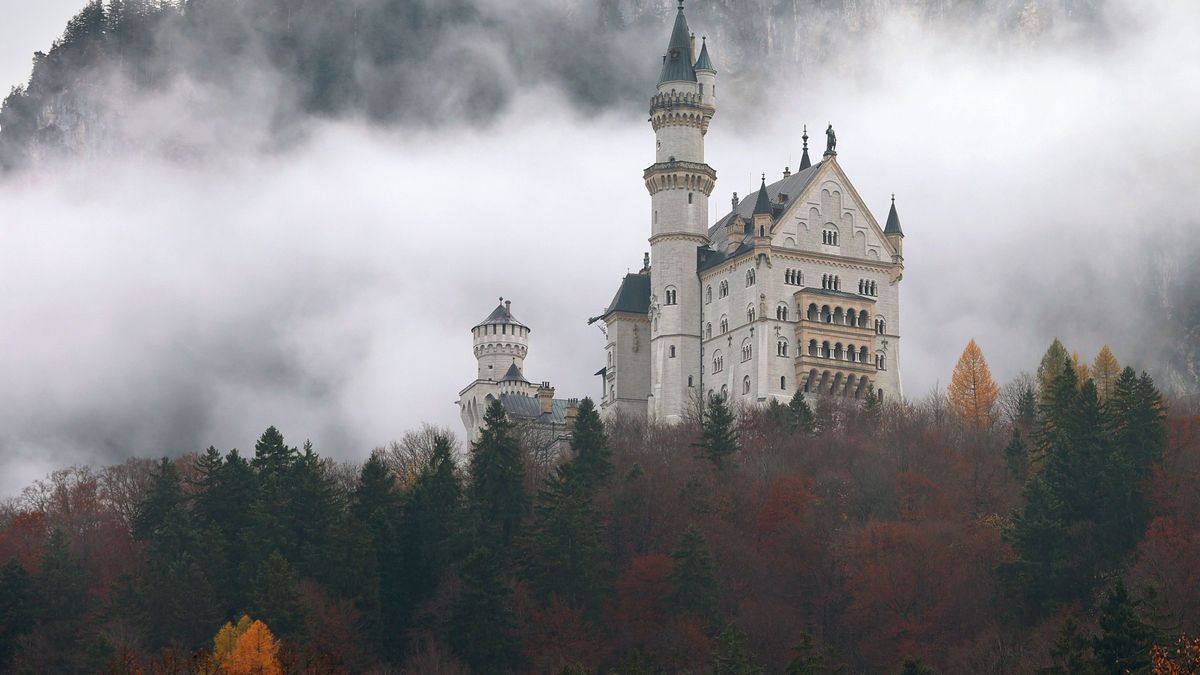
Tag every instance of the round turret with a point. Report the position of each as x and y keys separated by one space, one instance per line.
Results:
x=500 y=343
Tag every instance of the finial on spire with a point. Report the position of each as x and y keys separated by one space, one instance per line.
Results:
x=805 y=137
x=893 y=198
x=805 y=162
x=764 y=179
x=681 y=5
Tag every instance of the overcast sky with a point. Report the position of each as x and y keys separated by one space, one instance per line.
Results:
x=29 y=26
x=156 y=307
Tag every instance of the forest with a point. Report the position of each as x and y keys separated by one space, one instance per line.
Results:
x=1049 y=526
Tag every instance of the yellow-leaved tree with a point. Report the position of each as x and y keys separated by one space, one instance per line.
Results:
x=1081 y=369
x=255 y=653
x=973 y=392
x=226 y=640
x=1105 y=371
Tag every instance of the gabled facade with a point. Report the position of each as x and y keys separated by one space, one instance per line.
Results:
x=796 y=287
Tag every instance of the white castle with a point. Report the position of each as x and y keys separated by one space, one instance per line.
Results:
x=796 y=287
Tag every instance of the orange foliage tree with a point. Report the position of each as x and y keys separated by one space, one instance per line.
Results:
x=1184 y=660
x=973 y=392
x=248 y=648
x=1105 y=371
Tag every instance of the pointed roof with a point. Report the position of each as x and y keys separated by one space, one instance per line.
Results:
x=893 y=221
x=514 y=374
x=704 y=63
x=805 y=162
x=677 y=64
x=763 y=204
x=502 y=314
x=633 y=296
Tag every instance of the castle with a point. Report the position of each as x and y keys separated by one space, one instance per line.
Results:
x=797 y=287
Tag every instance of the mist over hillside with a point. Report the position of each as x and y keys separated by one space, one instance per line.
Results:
x=238 y=214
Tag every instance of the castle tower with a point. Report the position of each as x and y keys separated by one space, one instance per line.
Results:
x=500 y=344
x=679 y=183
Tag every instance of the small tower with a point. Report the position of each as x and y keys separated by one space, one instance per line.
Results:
x=893 y=232
x=500 y=342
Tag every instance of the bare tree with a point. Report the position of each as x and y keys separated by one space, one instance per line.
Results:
x=1010 y=395
x=408 y=456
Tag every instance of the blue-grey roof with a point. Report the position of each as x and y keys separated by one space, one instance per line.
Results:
x=791 y=186
x=703 y=62
x=502 y=314
x=633 y=296
x=893 y=221
x=677 y=64
x=514 y=374
x=805 y=162
x=762 y=205
x=529 y=408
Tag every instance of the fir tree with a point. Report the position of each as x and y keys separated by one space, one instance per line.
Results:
x=731 y=654
x=272 y=457
x=60 y=592
x=1053 y=361
x=1071 y=652
x=1016 y=455
x=275 y=598
x=566 y=553
x=592 y=459
x=482 y=629
x=497 y=493
x=1037 y=578
x=802 y=418
x=316 y=509
x=1124 y=643
x=718 y=440
x=693 y=577
x=872 y=406
x=16 y=609
x=1026 y=413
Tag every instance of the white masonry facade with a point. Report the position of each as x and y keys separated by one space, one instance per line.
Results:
x=796 y=287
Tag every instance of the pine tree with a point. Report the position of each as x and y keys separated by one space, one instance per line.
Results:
x=1036 y=580
x=592 y=459
x=1016 y=455
x=497 y=492
x=872 y=406
x=316 y=509
x=1071 y=652
x=482 y=629
x=718 y=440
x=802 y=418
x=810 y=661
x=1026 y=415
x=162 y=502
x=693 y=577
x=272 y=457
x=275 y=598
x=60 y=592
x=1054 y=360
x=1105 y=371
x=566 y=554
x=1124 y=643
x=1082 y=372
x=16 y=609
x=973 y=393
x=731 y=654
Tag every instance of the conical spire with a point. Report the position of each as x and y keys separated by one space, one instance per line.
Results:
x=805 y=162
x=763 y=204
x=677 y=64
x=704 y=63
x=893 y=221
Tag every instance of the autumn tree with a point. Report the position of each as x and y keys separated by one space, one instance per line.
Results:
x=972 y=392
x=718 y=439
x=1105 y=371
x=1082 y=372
x=256 y=652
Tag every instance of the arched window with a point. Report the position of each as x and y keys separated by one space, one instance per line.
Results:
x=671 y=351
x=826 y=351
x=837 y=351
x=825 y=281
x=749 y=277
x=689 y=198
x=874 y=289
x=750 y=313
x=781 y=312
x=723 y=289
x=781 y=347
x=746 y=385
x=851 y=317
x=718 y=362
x=708 y=331
x=851 y=353
x=783 y=382
x=724 y=325
x=813 y=313
x=672 y=295
x=689 y=380
x=826 y=314
x=708 y=294
x=880 y=326
x=812 y=348
x=747 y=350
x=882 y=362
x=862 y=354
x=837 y=283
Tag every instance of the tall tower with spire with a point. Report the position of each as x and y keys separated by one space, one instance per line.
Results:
x=679 y=183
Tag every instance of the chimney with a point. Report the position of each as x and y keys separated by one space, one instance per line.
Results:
x=508 y=307
x=545 y=397
x=572 y=413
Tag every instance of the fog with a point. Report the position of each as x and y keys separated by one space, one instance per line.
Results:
x=154 y=305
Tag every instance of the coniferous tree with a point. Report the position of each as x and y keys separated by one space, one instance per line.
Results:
x=497 y=496
x=60 y=591
x=1016 y=455
x=810 y=661
x=375 y=507
x=1105 y=371
x=1037 y=579
x=872 y=405
x=1071 y=652
x=275 y=598
x=973 y=392
x=1053 y=361
x=731 y=654
x=316 y=510
x=592 y=458
x=482 y=628
x=566 y=553
x=1026 y=414
x=16 y=609
x=693 y=577
x=802 y=417
x=1124 y=643
x=718 y=440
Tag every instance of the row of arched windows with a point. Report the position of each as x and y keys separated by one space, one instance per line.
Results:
x=747 y=351
x=849 y=317
x=831 y=282
x=781 y=347
x=781 y=312
x=866 y=287
x=718 y=362
x=880 y=326
x=793 y=277
x=837 y=351
x=829 y=237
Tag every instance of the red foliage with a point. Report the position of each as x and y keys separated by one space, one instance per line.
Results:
x=24 y=539
x=641 y=604
x=557 y=636
x=782 y=522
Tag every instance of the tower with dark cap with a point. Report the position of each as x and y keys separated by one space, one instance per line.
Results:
x=679 y=182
